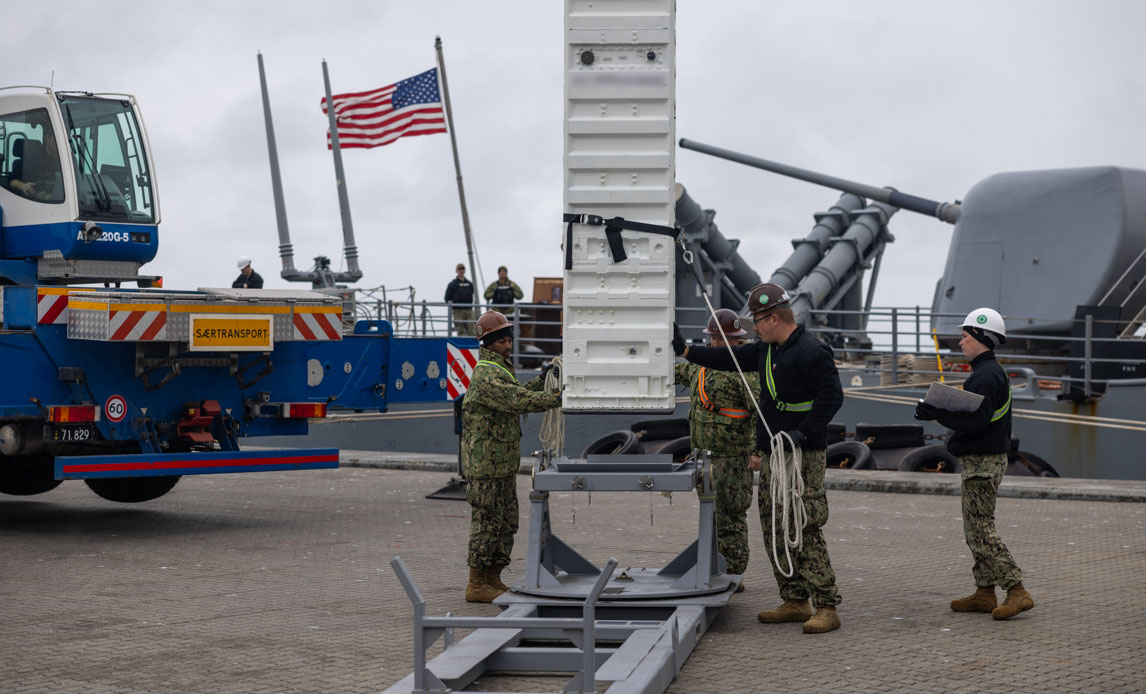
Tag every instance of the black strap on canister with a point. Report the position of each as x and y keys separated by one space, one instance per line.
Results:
x=613 y=229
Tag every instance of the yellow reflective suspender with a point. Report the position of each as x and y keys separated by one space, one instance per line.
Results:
x=780 y=405
x=1004 y=409
x=494 y=363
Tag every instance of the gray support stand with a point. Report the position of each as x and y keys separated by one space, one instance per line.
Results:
x=564 y=598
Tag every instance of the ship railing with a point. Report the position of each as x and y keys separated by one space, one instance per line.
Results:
x=536 y=327
x=899 y=344
x=895 y=342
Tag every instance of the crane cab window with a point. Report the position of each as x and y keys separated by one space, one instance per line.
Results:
x=112 y=177
x=30 y=156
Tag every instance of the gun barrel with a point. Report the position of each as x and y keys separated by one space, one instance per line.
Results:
x=944 y=211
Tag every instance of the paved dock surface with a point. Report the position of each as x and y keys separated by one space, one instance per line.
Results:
x=278 y=582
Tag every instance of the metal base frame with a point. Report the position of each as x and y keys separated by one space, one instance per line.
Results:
x=632 y=628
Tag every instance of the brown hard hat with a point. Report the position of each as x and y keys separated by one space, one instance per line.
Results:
x=492 y=321
x=729 y=323
x=767 y=296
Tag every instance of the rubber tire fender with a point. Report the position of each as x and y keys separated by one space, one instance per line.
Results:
x=679 y=448
x=890 y=435
x=617 y=443
x=660 y=429
x=927 y=458
x=849 y=455
x=836 y=432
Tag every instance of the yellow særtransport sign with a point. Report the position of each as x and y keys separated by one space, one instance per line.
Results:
x=232 y=333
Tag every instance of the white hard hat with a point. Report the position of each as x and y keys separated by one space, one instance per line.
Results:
x=243 y=262
x=986 y=319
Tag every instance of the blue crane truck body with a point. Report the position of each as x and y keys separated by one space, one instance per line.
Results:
x=110 y=378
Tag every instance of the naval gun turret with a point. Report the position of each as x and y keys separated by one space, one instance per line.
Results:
x=1053 y=245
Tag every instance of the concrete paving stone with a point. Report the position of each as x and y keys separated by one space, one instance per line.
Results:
x=279 y=582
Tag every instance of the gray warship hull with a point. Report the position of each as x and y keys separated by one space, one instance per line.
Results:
x=1089 y=440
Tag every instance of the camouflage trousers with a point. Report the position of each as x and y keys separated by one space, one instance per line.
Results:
x=813 y=576
x=493 y=521
x=464 y=322
x=733 y=486
x=994 y=565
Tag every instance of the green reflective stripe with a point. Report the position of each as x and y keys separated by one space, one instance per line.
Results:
x=1004 y=409
x=780 y=405
x=494 y=363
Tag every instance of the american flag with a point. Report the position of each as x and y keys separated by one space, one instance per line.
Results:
x=375 y=118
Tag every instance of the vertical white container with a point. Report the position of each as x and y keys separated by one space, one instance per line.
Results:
x=620 y=143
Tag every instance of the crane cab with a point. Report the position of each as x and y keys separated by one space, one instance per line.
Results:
x=77 y=191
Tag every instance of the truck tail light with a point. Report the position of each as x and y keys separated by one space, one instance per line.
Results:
x=305 y=410
x=69 y=414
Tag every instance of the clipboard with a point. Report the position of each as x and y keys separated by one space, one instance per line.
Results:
x=952 y=399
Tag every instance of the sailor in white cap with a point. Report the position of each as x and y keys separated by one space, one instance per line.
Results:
x=248 y=278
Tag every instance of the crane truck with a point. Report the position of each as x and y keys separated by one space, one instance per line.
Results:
x=115 y=380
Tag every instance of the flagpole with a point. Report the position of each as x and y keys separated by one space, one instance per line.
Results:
x=457 y=167
x=350 y=249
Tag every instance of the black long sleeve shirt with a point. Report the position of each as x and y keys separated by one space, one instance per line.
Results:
x=255 y=281
x=974 y=432
x=803 y=369
x=460 y=292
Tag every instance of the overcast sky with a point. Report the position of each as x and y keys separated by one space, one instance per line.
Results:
x=928 y=97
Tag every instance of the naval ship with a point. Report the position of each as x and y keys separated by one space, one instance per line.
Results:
x=1075 y=350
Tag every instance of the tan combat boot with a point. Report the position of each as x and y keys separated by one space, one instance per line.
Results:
x=1017 y=600
x=740 y=587
x=790 y=611
x=826 y=619
x=493 y=577
x=478 y=590
x=982 y=600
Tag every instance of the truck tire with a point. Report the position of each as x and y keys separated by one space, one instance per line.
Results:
x=884 y=436
x=679 y=449
x=933 y=458
x=27 y=476
x=849 y=455
x=617 y=443
x=660 y=429
x=132 y=490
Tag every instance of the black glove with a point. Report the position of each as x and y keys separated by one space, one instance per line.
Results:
x=677 y=340
x=925 y=412
x=798 y=438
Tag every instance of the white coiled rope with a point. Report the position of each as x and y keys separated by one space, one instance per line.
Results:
x=552 y=433
x=787 y=482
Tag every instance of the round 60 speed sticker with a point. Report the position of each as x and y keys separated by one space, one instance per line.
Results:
x=115 y=408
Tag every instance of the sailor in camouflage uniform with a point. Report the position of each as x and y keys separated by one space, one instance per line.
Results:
x=491 y=453
x=981 y=440
x=721 y=419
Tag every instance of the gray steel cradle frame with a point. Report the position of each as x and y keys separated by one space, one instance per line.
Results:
x=656 y=616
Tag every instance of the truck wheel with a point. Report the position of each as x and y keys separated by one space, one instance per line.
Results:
x=617 y=443
x=933 y=458
x=849 y=455
x=25 y=477
x=131 y=490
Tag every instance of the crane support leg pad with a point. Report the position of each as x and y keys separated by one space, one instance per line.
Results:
x=158 y=464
